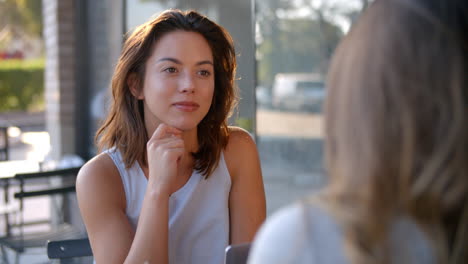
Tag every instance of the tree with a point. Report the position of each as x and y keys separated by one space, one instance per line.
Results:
x=297 y=47
x=290 y=42
x=183 y=5
x=20 y=20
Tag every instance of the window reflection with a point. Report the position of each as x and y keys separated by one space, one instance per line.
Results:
x=140 y=11
x=295 y=41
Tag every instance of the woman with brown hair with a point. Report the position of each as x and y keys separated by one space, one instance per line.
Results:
x=396 y=146
x=174 y=183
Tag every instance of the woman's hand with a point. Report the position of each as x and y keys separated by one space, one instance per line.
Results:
x=165 y=150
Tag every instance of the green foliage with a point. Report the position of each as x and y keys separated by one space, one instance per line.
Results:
x=21 y=85
x=26 y=14
x=20 y=20
x=297 y=45
x=32 y=14
x=245 y=123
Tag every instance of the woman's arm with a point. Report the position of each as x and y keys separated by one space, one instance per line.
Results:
x=102 y=204
x=101 y=199
x=247 y=207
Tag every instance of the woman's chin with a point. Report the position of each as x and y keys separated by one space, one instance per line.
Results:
x=184 y=126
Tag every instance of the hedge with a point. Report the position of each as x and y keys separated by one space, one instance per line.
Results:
x=21 y=85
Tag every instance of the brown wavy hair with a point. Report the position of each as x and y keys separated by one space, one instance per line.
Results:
x=396 y=128
x=124 y=127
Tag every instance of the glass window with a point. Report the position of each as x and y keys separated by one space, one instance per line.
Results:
x=284 y=49
x=294 y=44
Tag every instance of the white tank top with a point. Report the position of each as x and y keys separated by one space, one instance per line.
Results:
x=198 y=212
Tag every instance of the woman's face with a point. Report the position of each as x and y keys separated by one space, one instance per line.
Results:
x=179 y=81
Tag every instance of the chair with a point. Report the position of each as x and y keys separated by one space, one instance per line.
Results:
x=4 y=150
x=237 y=254
x=35 y=185
x=70 y=248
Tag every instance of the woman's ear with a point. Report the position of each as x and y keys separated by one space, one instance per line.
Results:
x=134 y=84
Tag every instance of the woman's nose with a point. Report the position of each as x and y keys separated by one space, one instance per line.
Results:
x=187 y=84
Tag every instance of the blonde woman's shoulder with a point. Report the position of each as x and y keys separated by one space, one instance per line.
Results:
x=281 y=239
x=298 y=233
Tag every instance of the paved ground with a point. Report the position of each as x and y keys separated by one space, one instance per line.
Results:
x=289 y=124
x=290 y=147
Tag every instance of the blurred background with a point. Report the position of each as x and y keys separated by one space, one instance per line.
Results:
x=57 y=58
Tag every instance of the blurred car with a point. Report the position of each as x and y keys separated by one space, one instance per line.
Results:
x=298 y=92
x=263 y=95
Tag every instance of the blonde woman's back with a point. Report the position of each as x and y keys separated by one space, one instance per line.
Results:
x=304 y=233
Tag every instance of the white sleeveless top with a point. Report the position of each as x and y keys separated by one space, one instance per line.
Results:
x=198 y=212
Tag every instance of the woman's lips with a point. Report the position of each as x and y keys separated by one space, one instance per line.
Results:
x=186 y=106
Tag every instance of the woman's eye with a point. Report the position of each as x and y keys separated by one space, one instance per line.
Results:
x=204 y=73
x=170 y=70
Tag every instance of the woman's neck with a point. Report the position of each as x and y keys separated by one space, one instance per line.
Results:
x=191 y=146
x=190 y=140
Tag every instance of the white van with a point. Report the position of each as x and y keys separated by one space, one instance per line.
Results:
x=298 y=91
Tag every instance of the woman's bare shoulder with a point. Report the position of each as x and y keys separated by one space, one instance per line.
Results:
x=239 y=139
x=98 y=168
x=99 y=177
x=241 y=151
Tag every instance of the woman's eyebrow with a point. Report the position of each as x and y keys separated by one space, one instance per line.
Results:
x=176 y=61
x=170 y=59
x=205 y=62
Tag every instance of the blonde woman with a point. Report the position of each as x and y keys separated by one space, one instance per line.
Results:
x=396 y=146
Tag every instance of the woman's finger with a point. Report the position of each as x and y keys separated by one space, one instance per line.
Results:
x=164 y=130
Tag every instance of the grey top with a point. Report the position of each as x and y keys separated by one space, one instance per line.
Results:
x=309 y=234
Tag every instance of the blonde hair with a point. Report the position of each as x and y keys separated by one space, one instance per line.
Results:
x=396 y=127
